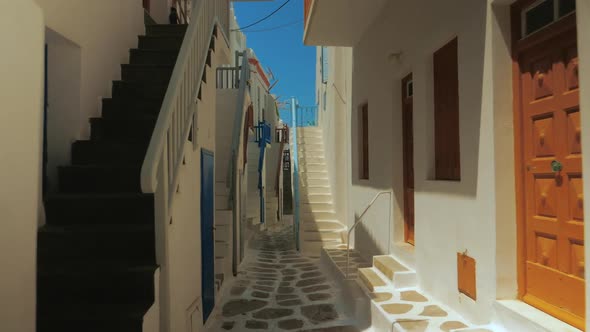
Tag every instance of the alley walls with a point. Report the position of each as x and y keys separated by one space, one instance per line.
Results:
x=450 y=217
x=334 y=118
x=21 y=123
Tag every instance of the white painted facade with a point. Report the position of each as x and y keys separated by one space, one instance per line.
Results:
x=85 y=52
x=477 y=214
x=265 y=108
x=21 y=122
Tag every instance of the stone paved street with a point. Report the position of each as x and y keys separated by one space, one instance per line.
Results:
x=279 y=290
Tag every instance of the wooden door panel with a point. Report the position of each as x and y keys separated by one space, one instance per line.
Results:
x=574 y=134
x=556 y=288
x=576 y=197
x=543 y=136
x=553 y=199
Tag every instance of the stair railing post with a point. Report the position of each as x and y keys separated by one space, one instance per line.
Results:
x=295 y=173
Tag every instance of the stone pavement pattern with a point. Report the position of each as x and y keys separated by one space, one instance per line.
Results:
x=277 y=289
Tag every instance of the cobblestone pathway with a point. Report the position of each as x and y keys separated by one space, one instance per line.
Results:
x=279 y=290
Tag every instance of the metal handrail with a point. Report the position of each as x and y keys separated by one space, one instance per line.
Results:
x=360 y=219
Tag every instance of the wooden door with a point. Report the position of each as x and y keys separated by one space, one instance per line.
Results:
x=207 y=232
x=146 y=5
x=552 y=228
x=408 y=156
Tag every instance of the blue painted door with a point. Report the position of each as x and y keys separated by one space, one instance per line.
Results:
x=207 y=233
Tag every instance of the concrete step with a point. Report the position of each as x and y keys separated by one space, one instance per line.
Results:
x=321 y=236
x=310 y=154
x=371 y=280
x=399 y=275
x=309 y=140
x=306 y=182
x=314 y=248
x=315 y=190
x=223 y=217
x=516 y=315
x=219 y=264
x=220 y=188
x=311 y=147
x=303 y=134
x=223 y=233
x=317 y=215
x=221 y=249
x=313 y=175
x=317 y=207
x=310 y=129
x=305 y=167
x=316 y=198
x=303 y=161
x=221 y=202
x=332 y=226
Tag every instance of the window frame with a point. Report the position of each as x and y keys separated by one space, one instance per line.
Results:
x=556 y=16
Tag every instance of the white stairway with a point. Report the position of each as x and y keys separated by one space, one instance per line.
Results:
x=223 y=234
x=272 y=207
x=319 y=225
x=253 y=198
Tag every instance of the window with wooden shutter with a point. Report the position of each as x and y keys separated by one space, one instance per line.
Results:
x=364 y=142
x=446 y=113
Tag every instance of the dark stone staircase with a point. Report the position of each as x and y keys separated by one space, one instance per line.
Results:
x=96 y=255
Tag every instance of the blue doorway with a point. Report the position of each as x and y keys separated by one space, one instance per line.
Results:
x=207 y=232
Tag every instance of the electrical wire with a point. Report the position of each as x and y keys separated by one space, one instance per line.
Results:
x=274 y=28
x=264 y=18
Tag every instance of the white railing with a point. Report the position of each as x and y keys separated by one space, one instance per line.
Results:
x=159 y=173
x=228 y=78
x=360 y=219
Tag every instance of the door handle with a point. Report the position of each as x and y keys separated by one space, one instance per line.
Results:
x=530 y=167
x=556 y=166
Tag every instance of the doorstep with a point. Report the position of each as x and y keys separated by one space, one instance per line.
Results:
x=515 y=315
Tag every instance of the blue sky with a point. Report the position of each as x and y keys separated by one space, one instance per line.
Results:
x=292 y=63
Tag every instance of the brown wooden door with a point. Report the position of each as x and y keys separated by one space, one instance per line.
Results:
x=553 y=228
x=408 y=156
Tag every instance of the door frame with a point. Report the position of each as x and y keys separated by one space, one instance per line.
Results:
x=519 y=46
x=408 y=238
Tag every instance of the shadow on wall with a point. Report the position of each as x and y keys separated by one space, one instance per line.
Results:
x=63 y=102
x=471 y=58
x=371 y=243
x=471 y=105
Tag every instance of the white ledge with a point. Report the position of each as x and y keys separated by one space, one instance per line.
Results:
x=516 y=315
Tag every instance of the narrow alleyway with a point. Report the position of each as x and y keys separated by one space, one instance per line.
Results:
x=277 y=289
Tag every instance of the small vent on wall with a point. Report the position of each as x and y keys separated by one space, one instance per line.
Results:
x=466 y=275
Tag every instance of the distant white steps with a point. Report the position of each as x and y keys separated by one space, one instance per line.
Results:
x=319 y=227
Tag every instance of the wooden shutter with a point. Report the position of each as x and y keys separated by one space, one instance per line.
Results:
x=446 y=113
x=364 y=144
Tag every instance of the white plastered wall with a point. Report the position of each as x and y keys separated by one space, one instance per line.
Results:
x=85 y=53
x=450 y=217
x=63 y=101
x=104 y=38
x=21 y=119
x=182 y=284
x=334 y=119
